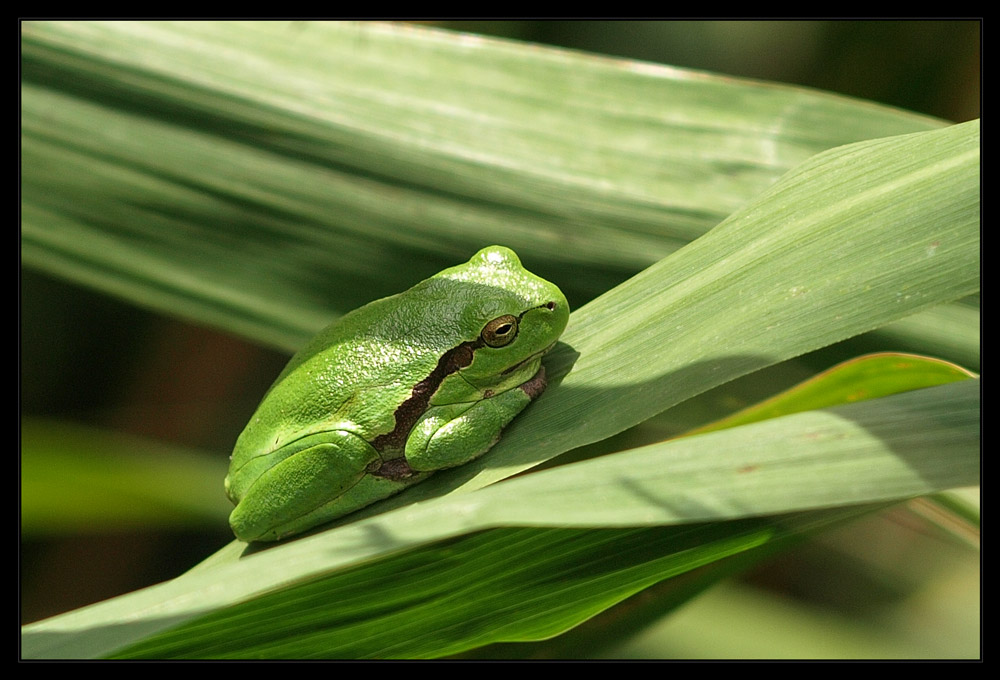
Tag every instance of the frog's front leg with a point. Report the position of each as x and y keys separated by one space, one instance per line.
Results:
x=289 y=496
x=454 y=434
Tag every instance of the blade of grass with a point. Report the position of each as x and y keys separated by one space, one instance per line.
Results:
x=868 y=377
x=169 y=163
x=883 y=449
x=500 y=585
x=833 y=250
x=76 y=478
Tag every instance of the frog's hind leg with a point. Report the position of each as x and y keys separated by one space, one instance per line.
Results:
x=296 y=494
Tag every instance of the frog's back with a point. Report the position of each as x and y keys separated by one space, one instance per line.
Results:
x=351 y=374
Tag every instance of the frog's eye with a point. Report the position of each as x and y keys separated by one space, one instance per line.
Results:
x=501 y=331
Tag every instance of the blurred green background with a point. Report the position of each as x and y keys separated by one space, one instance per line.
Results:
x=89 y=359
x=931 y=67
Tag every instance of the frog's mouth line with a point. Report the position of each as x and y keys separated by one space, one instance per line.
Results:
x=528 y=360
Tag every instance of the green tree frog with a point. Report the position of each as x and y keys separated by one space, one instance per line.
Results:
x=406 y=385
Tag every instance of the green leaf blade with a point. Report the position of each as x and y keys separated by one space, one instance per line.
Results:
x=345 y=145
x=876 y=451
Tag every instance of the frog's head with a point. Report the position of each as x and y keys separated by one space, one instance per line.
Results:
x=516 y=315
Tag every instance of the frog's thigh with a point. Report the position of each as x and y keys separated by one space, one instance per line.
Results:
x=454 y=434
x=286 y=497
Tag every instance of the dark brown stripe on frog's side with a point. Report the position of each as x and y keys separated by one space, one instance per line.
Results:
x=415 y=405
x=395 y=466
